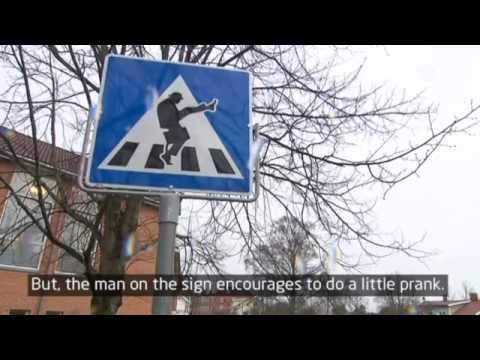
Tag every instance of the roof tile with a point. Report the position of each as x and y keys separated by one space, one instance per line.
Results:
x=472 y=308
x=54 y=156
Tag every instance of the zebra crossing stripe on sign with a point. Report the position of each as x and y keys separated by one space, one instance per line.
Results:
x=175 y=137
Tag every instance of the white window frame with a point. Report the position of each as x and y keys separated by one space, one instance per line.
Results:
x=20 y=176
x=42 y=251
x=28 y=312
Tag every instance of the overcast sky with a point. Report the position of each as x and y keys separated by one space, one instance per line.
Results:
x=444 y=201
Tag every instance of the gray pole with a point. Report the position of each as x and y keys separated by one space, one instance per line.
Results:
x=168 y=220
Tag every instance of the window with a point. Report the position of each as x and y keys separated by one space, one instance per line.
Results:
x=21 y=241
x=77 y=235
x=19 y=312
x=51 y=312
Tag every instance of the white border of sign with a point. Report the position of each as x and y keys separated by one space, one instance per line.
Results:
x=148 y=189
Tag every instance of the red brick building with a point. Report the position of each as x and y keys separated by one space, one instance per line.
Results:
x=33 y=253
x=469 y=306
x=211 y=305
x=472 y=308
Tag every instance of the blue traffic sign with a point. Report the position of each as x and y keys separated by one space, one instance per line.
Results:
x=172 y=126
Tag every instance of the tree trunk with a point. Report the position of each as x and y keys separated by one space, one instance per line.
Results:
x=292 y=305
x=108 y=305
x=120 y=222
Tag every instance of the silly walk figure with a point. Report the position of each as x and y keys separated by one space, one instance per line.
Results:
x=169 y=117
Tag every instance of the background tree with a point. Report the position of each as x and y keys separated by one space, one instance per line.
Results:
x=286 y=251
x=359 y=310
x=339 y=309
x=346 y=305
x=397 y=304
x=330 y=142
x=467 y=289
x=282 y=308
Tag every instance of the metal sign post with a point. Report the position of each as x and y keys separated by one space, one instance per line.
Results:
x=173 y=130
x=168 y=220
